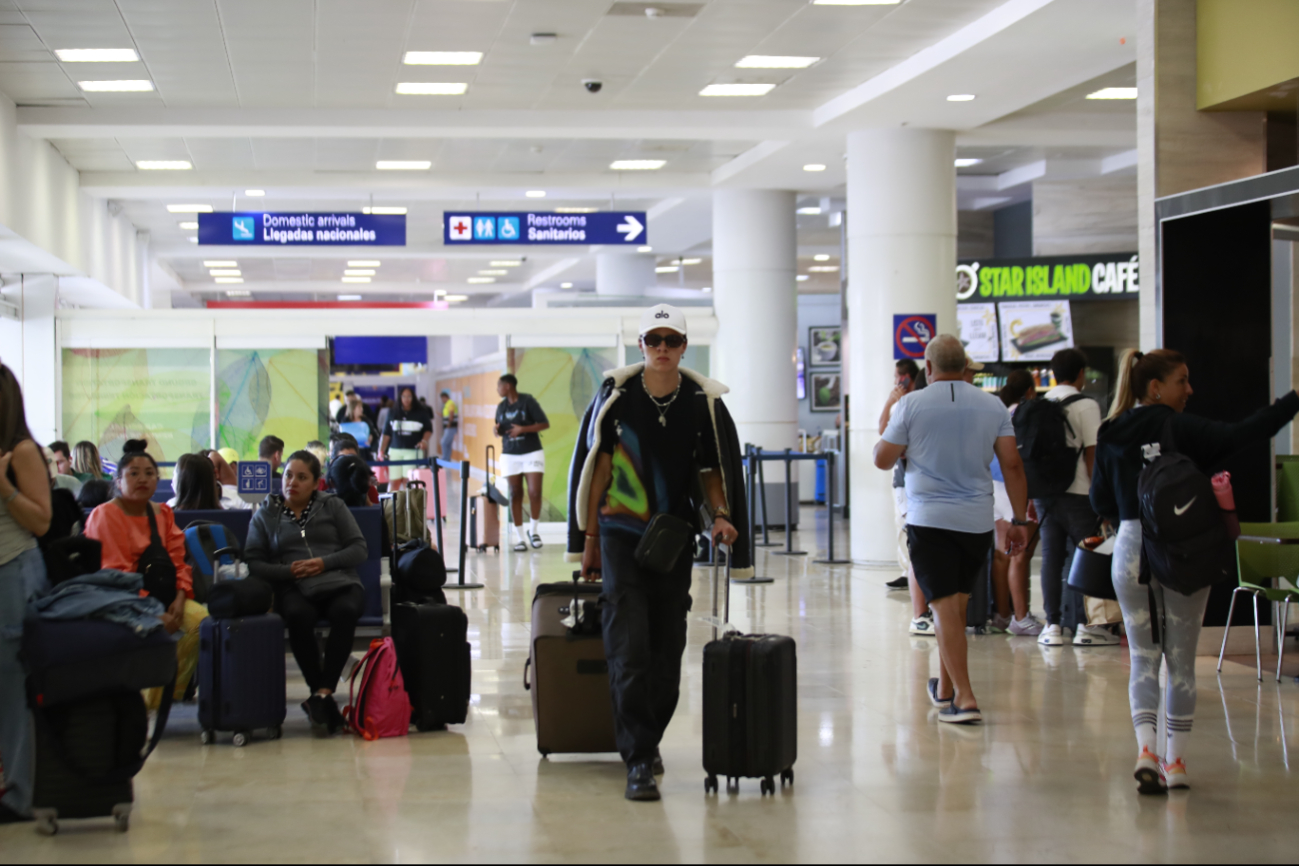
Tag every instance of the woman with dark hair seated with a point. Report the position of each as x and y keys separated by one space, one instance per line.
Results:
x=126 y=527
x=94 y=494
x=307 y=545
x=195 y=485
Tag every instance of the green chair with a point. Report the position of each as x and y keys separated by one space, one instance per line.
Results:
x=1266 y=552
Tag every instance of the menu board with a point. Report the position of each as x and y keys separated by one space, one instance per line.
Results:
x=1035 y=330
x=976 y=326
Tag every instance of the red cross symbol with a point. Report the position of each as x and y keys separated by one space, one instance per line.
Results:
x=461 y=228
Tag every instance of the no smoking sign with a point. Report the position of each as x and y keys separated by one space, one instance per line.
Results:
x=912 y=333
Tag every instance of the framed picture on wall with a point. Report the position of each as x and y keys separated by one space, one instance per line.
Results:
x=826 y=392
x=825 y=346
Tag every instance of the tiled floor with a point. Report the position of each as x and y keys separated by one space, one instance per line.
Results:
x=1046 y=779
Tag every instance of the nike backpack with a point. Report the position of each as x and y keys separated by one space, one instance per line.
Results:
x=1042 y=435
x=1183 y=534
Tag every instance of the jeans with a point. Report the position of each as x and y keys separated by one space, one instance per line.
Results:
x=1065 y=520
x=448 y=441
x=644 y=623
x=342 y=609
x=21 y=580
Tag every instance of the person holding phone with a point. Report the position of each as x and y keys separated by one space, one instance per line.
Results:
x=519 y=420
x=656 y=445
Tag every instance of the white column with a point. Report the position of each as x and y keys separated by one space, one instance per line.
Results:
x=623 y=273
x=28 y=347
x=755 y=296
x=901 y=259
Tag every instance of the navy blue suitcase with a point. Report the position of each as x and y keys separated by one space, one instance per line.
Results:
x=241 y=683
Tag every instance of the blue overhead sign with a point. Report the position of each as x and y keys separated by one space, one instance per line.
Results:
x=530 y=227
x=254 y=477
x=302 y=229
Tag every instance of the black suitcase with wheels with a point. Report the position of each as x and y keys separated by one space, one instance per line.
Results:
x=241 y=682
x=750 y=704
x=433 y=654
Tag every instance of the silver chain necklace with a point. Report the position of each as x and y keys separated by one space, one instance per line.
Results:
x=662 y=407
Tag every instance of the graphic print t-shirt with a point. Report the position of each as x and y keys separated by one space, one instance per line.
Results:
x=652 y=463
x=407 y=427
x=525 y=411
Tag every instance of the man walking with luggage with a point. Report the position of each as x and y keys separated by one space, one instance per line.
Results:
x=650 y=427
x=519 y=418
x=949 y=433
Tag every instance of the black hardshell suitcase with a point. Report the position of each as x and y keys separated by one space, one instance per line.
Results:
x=750 y=704
x=433 y=654
x=241 y=681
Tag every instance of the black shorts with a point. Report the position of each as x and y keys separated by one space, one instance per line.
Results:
x=947 y=562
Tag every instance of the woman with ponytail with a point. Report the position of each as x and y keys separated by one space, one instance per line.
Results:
x=1151 y=393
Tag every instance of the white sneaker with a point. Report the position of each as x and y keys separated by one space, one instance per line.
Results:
x=1095 y=635
x=1052 y=635
x=999 y=624
x=1029 y=626
x=923 y=625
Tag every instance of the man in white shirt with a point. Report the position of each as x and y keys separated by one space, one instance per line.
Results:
x=1068 y=518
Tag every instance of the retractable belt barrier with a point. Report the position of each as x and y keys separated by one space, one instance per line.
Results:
x=463 y=468
x=753 y=460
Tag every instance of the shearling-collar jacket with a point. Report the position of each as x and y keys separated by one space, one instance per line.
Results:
x=730 y=459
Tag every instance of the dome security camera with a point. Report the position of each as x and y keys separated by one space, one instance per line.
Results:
x=592 y=85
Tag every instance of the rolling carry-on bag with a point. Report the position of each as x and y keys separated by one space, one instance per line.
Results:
x=750 y=703
x=241 y=683
x=484 y=510
x=567 y=672
x=433 y=654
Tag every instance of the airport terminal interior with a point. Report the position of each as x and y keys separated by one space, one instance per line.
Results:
x=428 y=241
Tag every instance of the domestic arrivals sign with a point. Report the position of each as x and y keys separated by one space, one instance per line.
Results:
x=1079 y=278
x=301 y=229
x=616 y=228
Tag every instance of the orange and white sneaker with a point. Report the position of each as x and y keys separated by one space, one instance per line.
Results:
x=1175 y=774
x=1150 y=774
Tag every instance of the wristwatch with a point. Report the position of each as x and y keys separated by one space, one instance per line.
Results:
x=1017 y=522
x=722 y=511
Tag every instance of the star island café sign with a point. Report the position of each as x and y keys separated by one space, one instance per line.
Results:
x=1112 y=276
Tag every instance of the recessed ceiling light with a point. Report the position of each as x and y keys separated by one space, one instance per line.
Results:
x=455 y=299
x=690 y=261
x=356 y=279
x=814 y=166
x=255 y=193
x=358 y=272
x=229 y=280
x=97 y=55
x=226 y=272
x=644 y=249
x=667 y=269
x=566 y=285
x=188 y=225
x=442 y=58
x=855 y=2
x=961 y=97
x=774 y=61
x=823 y=269
x=535 y=193
x=1114 y=93
x=737 y=90
x=223 y=263
x=637 y=164
x=238 y=293
x=192 y=239
x=133 y=86
x=432 y=88
x=821 y=257
x=576 y=209
x=802 y=278
x=967 y=162
x=706 y=289
x=189 y=208
x=363 y=263
x=506 y=263
x=384 y=210
x=349 y=297
x=164 y=165
x=495 y=272
x=809 y=211
x=477 y=280
x=403 y=165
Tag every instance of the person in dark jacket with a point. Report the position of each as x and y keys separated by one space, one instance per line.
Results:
x=307 y=545
x=1151 y=393
x=653 y=442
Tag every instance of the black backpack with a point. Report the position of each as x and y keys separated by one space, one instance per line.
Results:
x=1184 y=537
x=1042 y=434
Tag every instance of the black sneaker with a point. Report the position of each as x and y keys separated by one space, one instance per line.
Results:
x=954 y=715
x=317 y=714
x=334 y=717
x=900 y=583
x=640 y=782
x=658 y=764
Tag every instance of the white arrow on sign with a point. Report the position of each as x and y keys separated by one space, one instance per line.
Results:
x=632 y=228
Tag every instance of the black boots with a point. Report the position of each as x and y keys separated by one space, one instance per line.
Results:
x=640 y=782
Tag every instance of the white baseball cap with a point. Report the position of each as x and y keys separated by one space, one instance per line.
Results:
x=663 y=316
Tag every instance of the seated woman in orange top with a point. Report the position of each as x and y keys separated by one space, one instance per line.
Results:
x=121 y=525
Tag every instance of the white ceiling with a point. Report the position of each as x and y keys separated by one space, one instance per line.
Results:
x=297 y=97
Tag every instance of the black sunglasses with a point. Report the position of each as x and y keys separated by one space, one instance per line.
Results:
x=672 y=341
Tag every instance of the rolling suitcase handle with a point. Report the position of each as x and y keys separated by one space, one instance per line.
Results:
x=719 y=549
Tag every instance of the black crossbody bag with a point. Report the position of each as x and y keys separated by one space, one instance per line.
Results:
x=665 y=539
x=156 y=567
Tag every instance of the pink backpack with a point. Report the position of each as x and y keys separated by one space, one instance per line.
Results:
x=382 y=708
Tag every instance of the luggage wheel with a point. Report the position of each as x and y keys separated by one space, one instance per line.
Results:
x=710 y=785
x=276 y=732
x=241 y=739
x=207 y=737
x=768 y=786
x=732 y=785
x=47 y=821
x=787 y=776
x=122 y=817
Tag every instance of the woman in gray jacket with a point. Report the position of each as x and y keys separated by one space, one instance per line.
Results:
x=307 y=545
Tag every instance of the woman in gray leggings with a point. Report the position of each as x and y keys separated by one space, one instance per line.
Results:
x=1151 y=393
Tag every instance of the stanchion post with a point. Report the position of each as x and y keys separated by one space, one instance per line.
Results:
x=789 y=509
x=762 y=495
x=464 y=527
x=437 y=508
x=754 y=461
x=830 y=503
